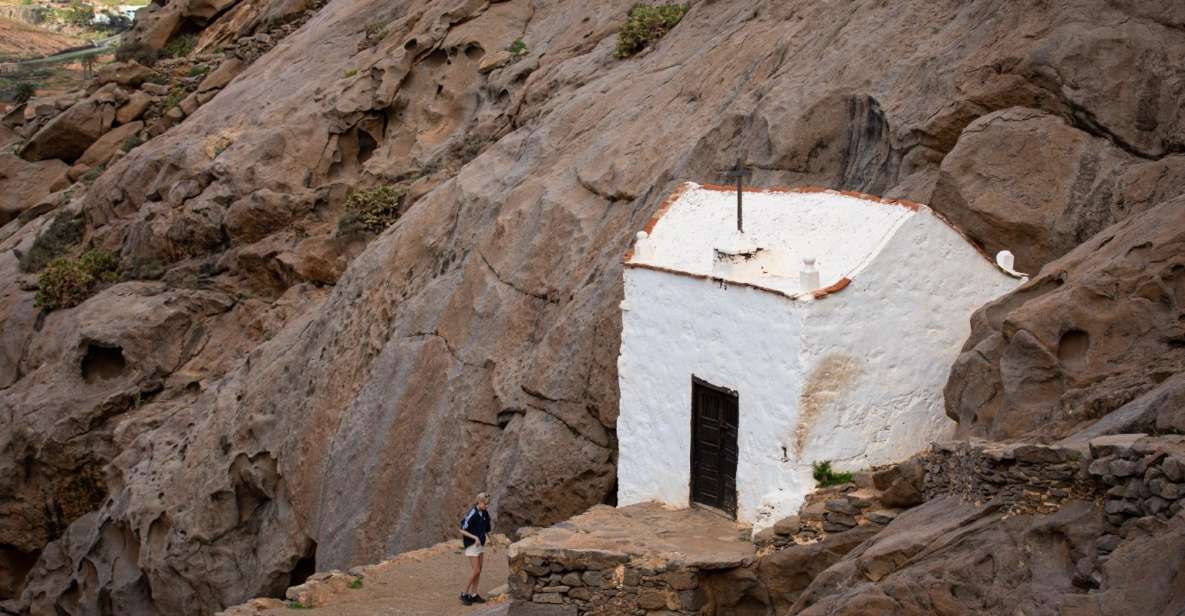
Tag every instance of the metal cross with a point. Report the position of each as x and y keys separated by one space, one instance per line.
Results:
x=740 y=173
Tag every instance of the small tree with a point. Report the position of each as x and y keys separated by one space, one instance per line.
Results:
x=23 y=91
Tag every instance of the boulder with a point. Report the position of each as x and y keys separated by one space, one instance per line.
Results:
x=219 y=77
x=130 y=73
x=24 y=183
x=1084 y=184
x=106 y=146
x=71 y=132
x=137 y=102
x=1090 y=333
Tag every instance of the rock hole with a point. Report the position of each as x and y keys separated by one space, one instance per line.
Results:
x=439 y=89
x=474 y=51
x=101 y=363
x=366 y=146
x=15 y=565
x=305 y=567
x=1073 y=346
x=436 y=58
x=410 y=44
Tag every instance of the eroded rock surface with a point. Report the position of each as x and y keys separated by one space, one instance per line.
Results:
x=291 y=399
x=1092 y=332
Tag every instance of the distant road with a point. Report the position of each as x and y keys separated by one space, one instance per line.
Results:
x=94 y=49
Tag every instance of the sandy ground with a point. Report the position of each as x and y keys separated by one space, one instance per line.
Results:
x=19 y=39
x=422 y=583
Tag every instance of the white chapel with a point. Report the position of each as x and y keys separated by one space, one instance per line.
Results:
x=823 y=329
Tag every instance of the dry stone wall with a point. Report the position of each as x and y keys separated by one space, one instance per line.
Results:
x=1023 y=477
x=590 y=583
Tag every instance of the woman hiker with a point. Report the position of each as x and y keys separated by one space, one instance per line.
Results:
x=474 y=529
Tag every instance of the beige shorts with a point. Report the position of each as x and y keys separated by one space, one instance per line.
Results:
x=474 y=550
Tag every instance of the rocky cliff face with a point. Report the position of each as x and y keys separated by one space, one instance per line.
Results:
x=264 y=395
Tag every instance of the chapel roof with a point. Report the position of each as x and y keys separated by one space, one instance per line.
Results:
x=841 y=231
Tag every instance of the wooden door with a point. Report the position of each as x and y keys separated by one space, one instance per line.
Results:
x=714 y=446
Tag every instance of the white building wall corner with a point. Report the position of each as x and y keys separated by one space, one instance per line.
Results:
x=855 y=378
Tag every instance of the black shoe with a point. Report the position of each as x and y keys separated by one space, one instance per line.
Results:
x=476 y=599
x=466 y=599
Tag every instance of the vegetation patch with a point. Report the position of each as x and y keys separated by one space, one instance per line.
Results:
x=645 y=24
x=518 y=47
x=63 y=233
x=356 y=584
x=181 y=46
x=68 y=282
x=132 y=141
x=371 y=211
x=198 y=70
x=373 y=35
x=23 y=91
x=93 y=174
x=826 y=477
x=140 y=53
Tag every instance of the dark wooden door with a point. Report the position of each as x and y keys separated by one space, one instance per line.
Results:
x=714 y=446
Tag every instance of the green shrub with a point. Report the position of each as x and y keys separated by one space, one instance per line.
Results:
x=23 y=91
x=826 y=477
x=356 y=583
x=92 y=174
x=174 y=98
x=518 y=47
x=644 y=25
x=64 y=232
x=68 y=282
x=181 y=45
x=133 y=141
x=140 y=53
x=198 y=70
x=350 y=73
x=371 y=211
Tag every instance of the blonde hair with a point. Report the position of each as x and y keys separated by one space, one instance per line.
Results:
x=483 y=497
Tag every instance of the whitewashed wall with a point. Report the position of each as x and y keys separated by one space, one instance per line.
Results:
x=855 y=378
x=744 y=339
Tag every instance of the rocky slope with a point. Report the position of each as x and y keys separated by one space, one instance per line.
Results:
x=264 y=396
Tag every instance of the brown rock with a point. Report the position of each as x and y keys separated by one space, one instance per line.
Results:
x=219 y=77
x=106 y=146
x=138 y=101
x=71 y=132
x=189 y=104
x=484 y=323
x=786 y=526
x=1084 y=184
x=130 y=73
x=23 y=183
x=1054 y=354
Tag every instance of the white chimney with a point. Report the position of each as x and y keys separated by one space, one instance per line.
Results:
x=643 y=247
x=808 y=276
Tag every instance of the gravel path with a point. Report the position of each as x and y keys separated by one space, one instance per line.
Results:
x=421 y=583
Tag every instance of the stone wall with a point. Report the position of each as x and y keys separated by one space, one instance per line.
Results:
x=1142 y=476
x=573 y=583
x=1024 y=477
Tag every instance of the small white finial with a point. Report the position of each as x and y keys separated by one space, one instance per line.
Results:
x=1006 y=260
x=808 y=276
x=643 y=248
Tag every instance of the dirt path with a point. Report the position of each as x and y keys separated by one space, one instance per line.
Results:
x=421 y=583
